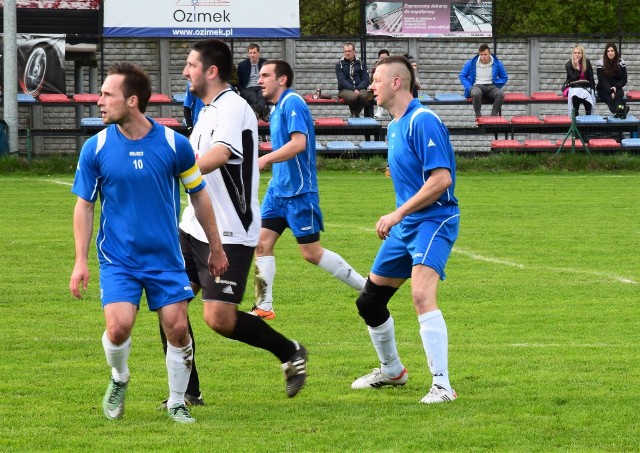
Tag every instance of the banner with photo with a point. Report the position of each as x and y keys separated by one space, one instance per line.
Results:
x=40 y=63
x=429 y=19
x=201 y=19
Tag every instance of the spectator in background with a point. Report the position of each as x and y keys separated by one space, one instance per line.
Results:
x=612 y=77
x=192 y=106
x=353 y=80
x=483 y=78
x=382 y=54
x=580 y=85
x=248 y=74
x=417 y=86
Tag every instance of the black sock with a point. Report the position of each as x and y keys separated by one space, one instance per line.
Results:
x=254 y=331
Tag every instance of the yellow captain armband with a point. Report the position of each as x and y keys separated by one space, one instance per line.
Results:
x=192 y=178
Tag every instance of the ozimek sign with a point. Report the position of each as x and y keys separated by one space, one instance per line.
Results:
x=200 y=19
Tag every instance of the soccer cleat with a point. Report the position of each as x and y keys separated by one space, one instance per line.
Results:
x=113 y=401
x=179 y=413
x=439 y=394
x=377 y=379
x=295 y=370
x=264 y=314
x=188 y=400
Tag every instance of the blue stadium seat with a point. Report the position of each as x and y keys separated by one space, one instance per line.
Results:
x=179 y=97
x=319 y=146
x=373 y=145
x=631 y=143
x=423 y=97
x=366 y=121
x=450 y=97
x=91 y=122
x=22 y=97
x=341 y=146
x=628 y=119
x=590 y=119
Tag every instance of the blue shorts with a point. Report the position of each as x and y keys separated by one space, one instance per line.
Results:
x=428 y=242
x=118 y=284
x=301 y=213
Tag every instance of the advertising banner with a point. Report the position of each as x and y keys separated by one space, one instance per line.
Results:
x=40 y=64
x=201 y=19
x=56 y=4
x=429 y=19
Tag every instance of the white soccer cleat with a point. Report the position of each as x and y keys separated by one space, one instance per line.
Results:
x=438 y=394
x=377 y=379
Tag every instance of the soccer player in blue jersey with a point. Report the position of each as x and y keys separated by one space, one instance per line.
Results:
x=292 y=197
x=192 y=105
x=417 y=236
x=135 y=167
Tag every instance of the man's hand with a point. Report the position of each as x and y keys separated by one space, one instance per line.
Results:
x=386 y=222
x=79 y=276
x=218 y=263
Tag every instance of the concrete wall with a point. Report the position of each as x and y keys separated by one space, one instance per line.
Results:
x=533 y=65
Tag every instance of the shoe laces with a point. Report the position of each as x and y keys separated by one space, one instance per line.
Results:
x=180 y=409
x=118 y=389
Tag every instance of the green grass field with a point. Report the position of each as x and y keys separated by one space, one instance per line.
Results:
x=541 y=303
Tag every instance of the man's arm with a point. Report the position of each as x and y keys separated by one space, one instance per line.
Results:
x=206 y=218
x=295 y=146
x=82 y=231
x=343 y=83
x=215 y=158
x=436 y=184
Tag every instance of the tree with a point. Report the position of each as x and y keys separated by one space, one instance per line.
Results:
x=330 y=17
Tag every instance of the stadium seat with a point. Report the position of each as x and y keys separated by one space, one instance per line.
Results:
x=179 y=97
x=603 y=143
x=424 y=97
x=628 y=119
x=340 y=145
x=159 y=97
x=86 y=97
x=23 y=97
x=633 y=94
x=330 y=121
x=169 y=122
x=539 y=144
x=319 y=146
x=556 y=119
x=366 y=121
x=484 y=120
x=309 y=99
x=525 y=119
x=373 y=145
x=590 y=119
x=262 y=123
x=54 y=97
x=265 y=147
x=450 y=97
x=91 y=122
x=567 y=143
x=503 y=145
x=515 y=97
x=546 y=96
x=631 y=143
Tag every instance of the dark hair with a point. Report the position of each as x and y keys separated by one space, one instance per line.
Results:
x=253 y=45
x=214 y=52
x=136 y=82
x=483 y=47
x=609 y=67
x=404 y=61
x=381 y=51
x=282 y=68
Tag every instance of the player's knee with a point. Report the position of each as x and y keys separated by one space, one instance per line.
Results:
x=372 y=303
x=218 y=324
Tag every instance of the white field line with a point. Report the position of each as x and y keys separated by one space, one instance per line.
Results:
x=563 y=345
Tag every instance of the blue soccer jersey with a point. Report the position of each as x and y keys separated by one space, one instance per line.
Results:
x=138 y=183
x=298 y=175
x=419 y=139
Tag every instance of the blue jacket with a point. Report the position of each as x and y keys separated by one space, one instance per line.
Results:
x=468 y=74
x=352 y=75
x=244 y=71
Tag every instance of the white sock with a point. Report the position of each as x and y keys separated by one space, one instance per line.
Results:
x=384 y=340
x=179 y=369
x=263 y=282
x=340 y=269
x=117 y=358
x=433 y=331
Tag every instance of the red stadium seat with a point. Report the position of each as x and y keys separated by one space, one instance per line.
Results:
x=603 y=143
x=262 y=122
x=556 y=119
x=525 y=119
x=633 y=94
x=539 y=144
x=567 y=143
x=54 y=98
x=170 y=122
x=86 y=97
x=159 y=97
x=515 y=97
x=491 y=120
x=506 y=144
x=546 y=96
x=330 y=121
x=265 y=147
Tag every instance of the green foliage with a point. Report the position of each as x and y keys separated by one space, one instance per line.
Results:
x=330 y=17
x=540 y=302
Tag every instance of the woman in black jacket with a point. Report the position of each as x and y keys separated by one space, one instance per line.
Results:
x=612 y=76
x=580 y=84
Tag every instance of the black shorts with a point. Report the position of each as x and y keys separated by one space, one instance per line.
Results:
x=232 y=284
